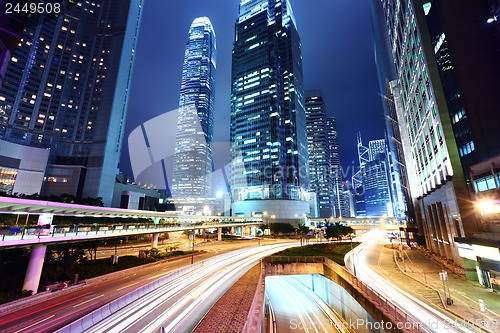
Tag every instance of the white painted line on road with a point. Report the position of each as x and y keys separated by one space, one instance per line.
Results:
x=129 y=285
x=88 y=300
x=161 y=274
x=38 y=322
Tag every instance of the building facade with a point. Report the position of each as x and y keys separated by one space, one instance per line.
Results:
x=335 y=168
x=318 y=142
x=192 y=170
x=67 y=88
x=446 y=100
x=269 y=158
x=376 y=186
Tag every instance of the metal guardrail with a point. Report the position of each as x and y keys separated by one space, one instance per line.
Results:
x=293 y=259
x=403 y=320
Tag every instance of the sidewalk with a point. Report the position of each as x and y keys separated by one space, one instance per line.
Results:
x=465 y=294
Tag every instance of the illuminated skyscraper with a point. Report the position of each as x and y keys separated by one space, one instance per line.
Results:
x=445 y=99
x=194 y=133
x=335 y=169
x=268 y=122
x=67 y=88
x=321 y=178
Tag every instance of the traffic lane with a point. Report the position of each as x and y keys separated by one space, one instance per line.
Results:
x=176 y=303
x=298 y=310
x=197 y=311
x=369 y=270
x=62 y=310
x=201 y=299
x=69 y=307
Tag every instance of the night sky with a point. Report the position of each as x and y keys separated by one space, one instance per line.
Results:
x=337 y=53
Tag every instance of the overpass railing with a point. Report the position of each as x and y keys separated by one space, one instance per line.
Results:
x=48 y=231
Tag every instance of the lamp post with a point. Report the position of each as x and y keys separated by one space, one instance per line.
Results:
x=402 y=253
x=192 y=251
x=352 y=256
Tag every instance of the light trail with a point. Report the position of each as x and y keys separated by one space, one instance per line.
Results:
x=291 y=299
x=179 y=302
x=431 y=318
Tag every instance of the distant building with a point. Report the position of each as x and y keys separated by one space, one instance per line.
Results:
x=133 y=196
x=269 y=158
x=359 y=201
x=376 y=147
x=376 y=186
x=349 y=205
x=318 y=142
x=335 y=169
x=67 y=87
x=192 y=169
x=373 y=183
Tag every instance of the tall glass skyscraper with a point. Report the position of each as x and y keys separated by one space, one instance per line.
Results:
x=335 y=169
x=268 y=122
x=321 y=177
x=193 y=152
x=446 y=101
x=67 y=88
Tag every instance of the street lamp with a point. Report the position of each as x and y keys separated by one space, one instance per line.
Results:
x=494 y=18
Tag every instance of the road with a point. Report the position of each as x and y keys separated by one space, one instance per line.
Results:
x=54 y=313
x=367 y=258
x=180 y=304
x=295 y=308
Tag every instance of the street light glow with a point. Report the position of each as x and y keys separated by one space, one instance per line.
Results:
x=488 y=207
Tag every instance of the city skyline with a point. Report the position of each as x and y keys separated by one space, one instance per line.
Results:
x=255 y=203
x=352 y=113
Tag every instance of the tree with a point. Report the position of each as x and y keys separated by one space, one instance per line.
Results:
x=337 y=230
x=281 y=228
x=301 y=230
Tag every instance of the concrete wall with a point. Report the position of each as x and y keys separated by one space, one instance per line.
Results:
x=31 y=164
x=286 y=209
x=337 y=274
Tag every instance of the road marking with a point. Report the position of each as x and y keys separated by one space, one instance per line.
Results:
x=157 y=275
x=38 y=322
x=88 y=300
x=127 y=286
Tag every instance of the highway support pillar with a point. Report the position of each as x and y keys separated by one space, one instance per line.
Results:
x=219 y=234
x=154 y=241
x=35 y=265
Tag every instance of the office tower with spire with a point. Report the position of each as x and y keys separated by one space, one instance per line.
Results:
x=193 y=152
x=66 y=90
x=269 y=169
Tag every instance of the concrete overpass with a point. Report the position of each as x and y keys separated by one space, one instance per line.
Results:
x=44 y=233
x=368 y=223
